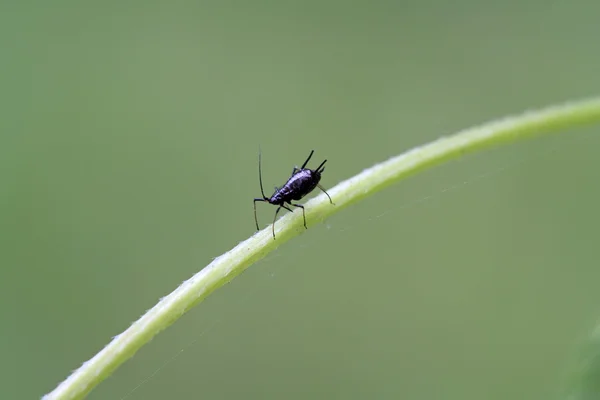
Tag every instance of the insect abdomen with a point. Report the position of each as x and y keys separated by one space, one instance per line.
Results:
x=302 y=184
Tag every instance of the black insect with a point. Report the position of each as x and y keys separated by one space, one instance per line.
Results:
x=302 y=182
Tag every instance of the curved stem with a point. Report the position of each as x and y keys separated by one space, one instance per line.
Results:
x=585 y=374
x=229 y=265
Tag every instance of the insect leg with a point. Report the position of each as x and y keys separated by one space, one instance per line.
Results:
x=275 y=217
x=255 y=218
x=324 y=191
x=321 y=167
x=303 y=214
x=306 y=162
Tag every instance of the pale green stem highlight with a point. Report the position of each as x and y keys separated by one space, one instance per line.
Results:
x=371 y=180
x=585 y=374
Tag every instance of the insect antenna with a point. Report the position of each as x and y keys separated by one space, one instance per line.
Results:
x=306 y=162
x=260 y=175
x=321 y=167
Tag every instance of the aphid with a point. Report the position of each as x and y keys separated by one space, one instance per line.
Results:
x=302 y=182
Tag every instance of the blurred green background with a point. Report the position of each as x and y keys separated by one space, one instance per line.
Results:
x=128 y=152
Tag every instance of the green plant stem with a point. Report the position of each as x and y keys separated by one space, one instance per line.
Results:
x=585 y=376
x=229 y=265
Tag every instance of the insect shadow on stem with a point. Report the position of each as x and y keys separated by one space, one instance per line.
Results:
x=302 y=182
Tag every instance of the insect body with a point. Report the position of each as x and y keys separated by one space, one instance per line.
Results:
x=302 y=182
